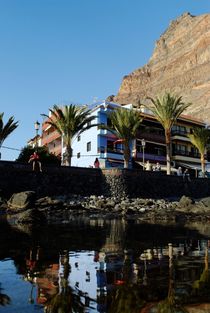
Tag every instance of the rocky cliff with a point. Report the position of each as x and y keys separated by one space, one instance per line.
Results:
x=180 y=64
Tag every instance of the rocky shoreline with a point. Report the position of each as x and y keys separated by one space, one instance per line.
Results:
x=25 y=208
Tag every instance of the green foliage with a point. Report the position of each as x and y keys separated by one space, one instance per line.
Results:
x=124 y=125
x=6 y=129
x=167 y=109
x=45 y=156
x=200 y=138
x=202 y=285
x=70 y=121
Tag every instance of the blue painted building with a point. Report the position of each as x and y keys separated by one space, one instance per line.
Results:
x=98 y=143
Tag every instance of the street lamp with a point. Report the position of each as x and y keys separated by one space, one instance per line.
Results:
x=143 y=144
x=36 y=126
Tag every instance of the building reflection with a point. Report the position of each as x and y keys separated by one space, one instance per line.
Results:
x=98 y=279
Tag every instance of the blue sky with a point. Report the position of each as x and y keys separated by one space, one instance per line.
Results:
x=73 y=51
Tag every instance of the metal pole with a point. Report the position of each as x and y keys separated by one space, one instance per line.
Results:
x=36 y=139
x=143 y=143
x=36 y=125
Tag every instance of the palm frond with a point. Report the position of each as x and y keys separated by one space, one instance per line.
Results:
x=70 y=121
x=6 y=129
x=200 y=138
x=167 y=109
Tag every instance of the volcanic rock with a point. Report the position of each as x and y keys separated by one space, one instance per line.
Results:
x=180 y=64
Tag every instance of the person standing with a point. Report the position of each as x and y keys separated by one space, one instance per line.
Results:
x=148 y=166
x=179 y=171
x=186 y=175
x=157 y=167
x=96 y=163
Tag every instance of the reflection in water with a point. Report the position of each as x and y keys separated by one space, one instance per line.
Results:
x=4 y=299
x=170 y=304
x=106 y=266
x=65 y=300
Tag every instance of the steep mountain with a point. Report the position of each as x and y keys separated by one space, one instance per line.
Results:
x=180 y=64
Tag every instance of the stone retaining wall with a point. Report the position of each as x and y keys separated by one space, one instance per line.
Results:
x=17 y=177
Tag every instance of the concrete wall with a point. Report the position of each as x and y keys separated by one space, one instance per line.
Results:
x=16 y=177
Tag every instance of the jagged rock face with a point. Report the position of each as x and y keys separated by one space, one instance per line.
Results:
x=180 y=64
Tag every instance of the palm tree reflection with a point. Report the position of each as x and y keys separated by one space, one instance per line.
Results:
x=169 y=305
x=4 y=299
x=126 y=298
x=202 y=285
x=66 y=300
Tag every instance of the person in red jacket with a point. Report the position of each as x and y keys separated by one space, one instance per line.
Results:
x=34 y=159
x=96 y=163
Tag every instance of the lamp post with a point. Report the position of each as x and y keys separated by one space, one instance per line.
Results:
x=143 y=144
x=36 y=126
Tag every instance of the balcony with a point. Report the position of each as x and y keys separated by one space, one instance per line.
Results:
x=159 y=138
x=151 y=156
x=189 y=154
x=114 y=150
x=179 y=132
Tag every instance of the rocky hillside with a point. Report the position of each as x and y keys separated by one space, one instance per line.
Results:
x=180 y=63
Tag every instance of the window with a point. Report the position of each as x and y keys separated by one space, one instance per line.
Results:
x=89 y=146
x=179 y=130
x=78 y=155
x=78 y=138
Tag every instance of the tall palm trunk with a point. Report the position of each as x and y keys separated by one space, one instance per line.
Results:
x=126 y=154
x=203 y=166
x=69 y=155
x=168 y=151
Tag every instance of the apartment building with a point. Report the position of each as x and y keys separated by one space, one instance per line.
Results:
x=148 y=145
x=51 y=139
x=183 y=152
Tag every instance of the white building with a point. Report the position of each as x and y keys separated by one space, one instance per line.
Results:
x=98 y=143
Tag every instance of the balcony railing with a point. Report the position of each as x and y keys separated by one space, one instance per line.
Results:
x=159 y=138
x=186 y=153
x=179 y=133
x=151 y=156
x=114 y=150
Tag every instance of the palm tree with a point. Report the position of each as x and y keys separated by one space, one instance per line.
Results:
x=124 y=125
x=200 y=137
x=70 y=121
x=166 y=110
x=7 y=129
